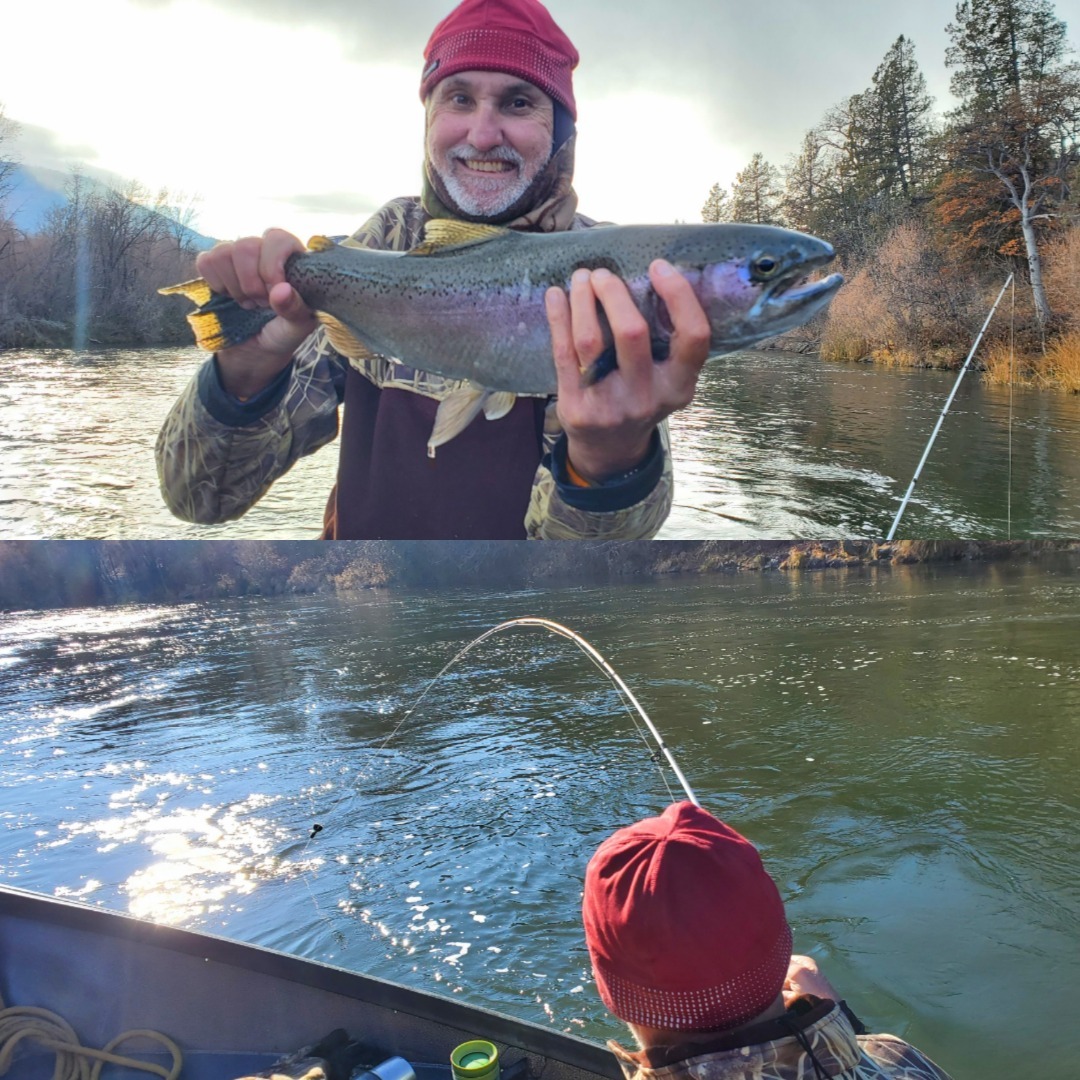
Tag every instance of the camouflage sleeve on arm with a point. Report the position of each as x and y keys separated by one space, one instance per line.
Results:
x=550 y=517
x=899 y=1059
x=212 y=471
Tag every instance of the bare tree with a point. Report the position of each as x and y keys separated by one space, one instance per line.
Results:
x=1019 y=118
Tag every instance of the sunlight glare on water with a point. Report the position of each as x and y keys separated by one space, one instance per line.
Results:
x=900 y=745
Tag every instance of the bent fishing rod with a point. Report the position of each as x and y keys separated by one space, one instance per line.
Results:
x=941 y=417
x=591 y=653
x=606 y=668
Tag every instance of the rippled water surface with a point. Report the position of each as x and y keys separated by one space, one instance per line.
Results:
x=903 y=747
x=774 y=445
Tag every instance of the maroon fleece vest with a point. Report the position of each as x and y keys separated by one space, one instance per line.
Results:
x=477 y=487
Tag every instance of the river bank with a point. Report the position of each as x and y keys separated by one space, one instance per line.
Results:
x=57 y=574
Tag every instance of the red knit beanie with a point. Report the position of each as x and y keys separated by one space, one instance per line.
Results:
x=517 y=37
x=685 y=928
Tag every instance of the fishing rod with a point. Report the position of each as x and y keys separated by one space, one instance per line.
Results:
x=590 y=652
x=941 y=417
x=606 y=668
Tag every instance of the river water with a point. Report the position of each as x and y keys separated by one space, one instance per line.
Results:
x=902 y=746
x=774 y=445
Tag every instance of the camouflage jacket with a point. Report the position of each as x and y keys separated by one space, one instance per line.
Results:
x=819 y=1043
x=217 y=457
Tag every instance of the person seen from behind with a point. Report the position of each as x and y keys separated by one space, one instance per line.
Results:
x=691 y=948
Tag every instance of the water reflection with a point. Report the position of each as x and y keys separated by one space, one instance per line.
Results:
x=773 y=445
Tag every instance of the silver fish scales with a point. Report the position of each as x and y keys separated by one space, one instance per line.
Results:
x=468 y=302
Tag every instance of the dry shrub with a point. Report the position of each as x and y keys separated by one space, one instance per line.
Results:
x=907 y=306
x=1061 y=276
x=858 y=321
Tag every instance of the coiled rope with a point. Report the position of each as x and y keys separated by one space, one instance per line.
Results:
x=73 y=1060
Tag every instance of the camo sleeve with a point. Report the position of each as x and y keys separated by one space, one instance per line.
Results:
x=217 y=457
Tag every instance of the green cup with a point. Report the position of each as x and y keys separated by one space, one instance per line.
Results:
x=477 y=1059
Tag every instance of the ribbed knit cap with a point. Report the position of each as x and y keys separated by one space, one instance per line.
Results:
x=517 y=37
x=685 y=929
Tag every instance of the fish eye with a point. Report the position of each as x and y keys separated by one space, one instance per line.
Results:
x=763 y=267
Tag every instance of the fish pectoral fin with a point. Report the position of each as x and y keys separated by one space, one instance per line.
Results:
x=455 y=413
x=343 y=339
x=443 y=234
x=196 y=290
x=498 y=403
x=603 y=365
x=320 y=243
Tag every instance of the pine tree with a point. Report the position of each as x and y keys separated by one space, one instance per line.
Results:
x=904 y=129
x=717 y=206
x=755 y=195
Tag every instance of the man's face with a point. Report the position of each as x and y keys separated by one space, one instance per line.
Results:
x=488 y=136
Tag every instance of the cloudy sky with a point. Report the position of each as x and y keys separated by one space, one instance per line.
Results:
x=304 y=113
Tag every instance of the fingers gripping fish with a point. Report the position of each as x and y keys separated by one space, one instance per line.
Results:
x=468 y=302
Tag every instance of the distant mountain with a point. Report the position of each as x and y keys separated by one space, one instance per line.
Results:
x=37 y=191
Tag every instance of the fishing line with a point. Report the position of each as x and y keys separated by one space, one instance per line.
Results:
x=1012 y=380
x=945 y=409
x=629 y=700
x=631 y=703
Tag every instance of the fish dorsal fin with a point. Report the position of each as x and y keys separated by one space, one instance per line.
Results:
x=445 y=234
x=320 y=243
x=343 y=339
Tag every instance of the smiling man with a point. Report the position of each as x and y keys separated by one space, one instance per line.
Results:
x=590 y=463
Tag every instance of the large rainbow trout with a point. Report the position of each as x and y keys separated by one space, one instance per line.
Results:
x=468 y=302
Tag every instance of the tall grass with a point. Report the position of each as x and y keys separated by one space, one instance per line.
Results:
x=1059 y=368
x=1063 y=362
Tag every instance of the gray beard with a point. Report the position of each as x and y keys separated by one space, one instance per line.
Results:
x=479 y=207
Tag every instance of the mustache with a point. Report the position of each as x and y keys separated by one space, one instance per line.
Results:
x=465 y=152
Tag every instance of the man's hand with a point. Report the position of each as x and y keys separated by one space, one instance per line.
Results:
x=609 y=425
x=804 y=977
x=252 y=272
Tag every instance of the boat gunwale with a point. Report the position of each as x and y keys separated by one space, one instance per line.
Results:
x=424 y=1005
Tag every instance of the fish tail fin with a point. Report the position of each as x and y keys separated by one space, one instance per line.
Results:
x=218 y=321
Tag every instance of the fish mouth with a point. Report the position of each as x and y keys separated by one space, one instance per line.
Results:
x=796 y=293
x=793 y=296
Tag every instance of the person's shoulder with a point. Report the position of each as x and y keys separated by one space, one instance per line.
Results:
x=583 y=221
x=900 y=1058
x=395 y=226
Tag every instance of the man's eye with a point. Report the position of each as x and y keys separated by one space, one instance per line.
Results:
x=521 y=103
